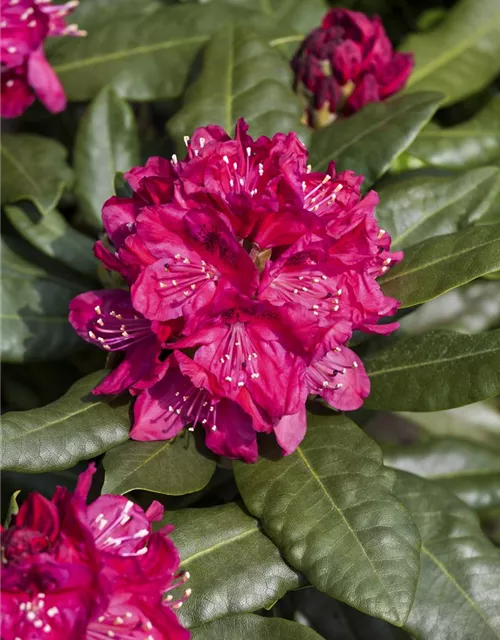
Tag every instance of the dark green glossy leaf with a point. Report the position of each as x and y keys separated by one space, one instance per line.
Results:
x=242 y=77
x=330 y=510
x=437 y=370
x=33 y=168
x=471 y=144
x=143 y=57
x=254 y=627
x=172 y=467
x=107 y=141
x=76 y=427
x=439 y=264
x=421 y=207
x=89 y=11
x=370 y=140
x=234 y=568
x=52 y=235
x=293 y=19
x=462 y=55
x=35 y=312
x=477 y=422
x=457 y=595
x=469 y=470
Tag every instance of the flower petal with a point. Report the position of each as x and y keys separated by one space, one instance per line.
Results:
x=45 y=83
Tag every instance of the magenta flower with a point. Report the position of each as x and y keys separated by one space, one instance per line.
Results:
x=248 y=274
x=88 y=572
x=347 y=63
x=25 y=73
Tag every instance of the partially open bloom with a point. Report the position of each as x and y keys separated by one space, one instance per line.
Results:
x=346 y=63
x=87 y=572
x=25 y=73
x=247 y=274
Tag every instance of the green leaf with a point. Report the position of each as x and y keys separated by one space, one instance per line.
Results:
x=439 y=264
x=478 y=422
x=54 y=237
x=330 y=510
x=471 y=144
x=35 y=311
x=172 y=467
x=421 y=207
x=370 y=140
x=457 y=593
x=469 y=309
x=76 y=427
x=234 y=568
x=143 y=57
x=254 y=627
x=462 y=55
x=107 y=141
x=293 y=19
x=437 y=370
x=86 y=12
x=33 y=168
x=469 y=470
x=12 y=509
x=242 y=77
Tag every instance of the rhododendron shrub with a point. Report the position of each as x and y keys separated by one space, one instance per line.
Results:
x=72 y=570
x=346 y=63
x=247 y=274
x=250 y=275
x=25 y=72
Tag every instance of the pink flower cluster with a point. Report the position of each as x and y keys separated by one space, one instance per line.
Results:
x=88 y=572
x=247 y=274
x=25 y=73
x=348 y=62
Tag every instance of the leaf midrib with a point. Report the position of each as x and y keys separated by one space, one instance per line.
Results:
x=348 y=525
x=459 y=588
x=19 y=167
x=47 y=425
x=380 y=123
x=403 y=274
x=218 y=545
x=397 y=240
x=431 y=362
x=450 y=54
x=127 y=53
x=146 y=461
x=151 y=48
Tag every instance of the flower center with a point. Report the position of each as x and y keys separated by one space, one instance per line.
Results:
x=327 y=373
x=113 y=331
x=195 y=406
x=238 y=357
x=320 y=198
x=186 y=276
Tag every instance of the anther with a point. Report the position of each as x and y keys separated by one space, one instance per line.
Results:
x=186 y=140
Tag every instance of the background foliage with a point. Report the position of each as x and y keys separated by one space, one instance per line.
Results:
x=384 y=523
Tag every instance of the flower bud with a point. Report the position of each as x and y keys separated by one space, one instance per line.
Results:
x=345 y=64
